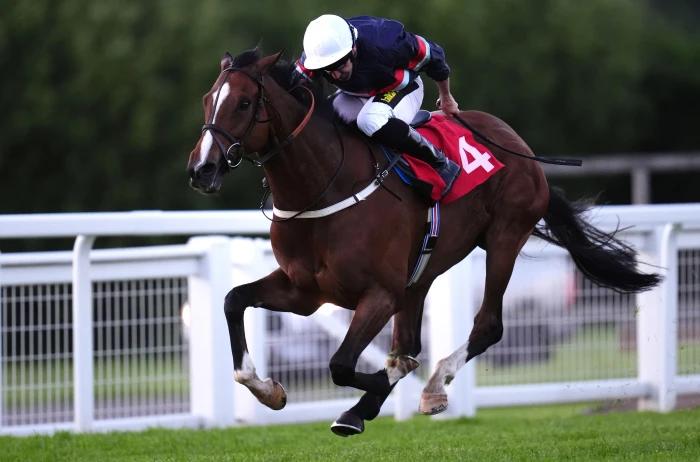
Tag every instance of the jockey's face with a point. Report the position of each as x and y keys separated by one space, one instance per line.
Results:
x=343 y=71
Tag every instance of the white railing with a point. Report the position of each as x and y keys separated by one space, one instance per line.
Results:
x=162 y=379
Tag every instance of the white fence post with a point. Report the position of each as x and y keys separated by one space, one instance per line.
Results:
x=452 y=313
x=211 y=366
x=657 y=325
x=83 y=377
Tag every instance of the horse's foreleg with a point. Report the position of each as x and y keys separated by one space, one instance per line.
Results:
x=405 y=347
x=372 y=313
x=274 y=292
x=352 y=421
x=488 y=325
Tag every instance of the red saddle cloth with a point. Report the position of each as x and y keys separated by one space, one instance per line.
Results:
x=458 y=143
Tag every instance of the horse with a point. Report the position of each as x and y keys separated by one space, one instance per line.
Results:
x=357 y=252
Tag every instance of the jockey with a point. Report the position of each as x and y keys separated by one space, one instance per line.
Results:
x=374 y=62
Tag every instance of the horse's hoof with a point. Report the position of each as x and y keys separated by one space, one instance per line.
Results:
x=432 y=403
x=275 y=399
x=278 y=397
x=348 y=424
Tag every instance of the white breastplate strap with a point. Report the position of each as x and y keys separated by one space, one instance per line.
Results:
x=331 y=209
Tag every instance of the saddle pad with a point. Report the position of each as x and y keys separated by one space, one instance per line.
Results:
x=458 y=143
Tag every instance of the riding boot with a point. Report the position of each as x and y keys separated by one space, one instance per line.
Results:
x=414 y=144
x=419 y=147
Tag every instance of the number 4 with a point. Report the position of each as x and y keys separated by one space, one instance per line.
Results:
x=481 y=159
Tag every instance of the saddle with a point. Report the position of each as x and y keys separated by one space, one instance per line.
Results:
x=459 y=145
x=422 y=117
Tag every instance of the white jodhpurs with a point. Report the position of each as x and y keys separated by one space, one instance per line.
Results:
x=373 y=113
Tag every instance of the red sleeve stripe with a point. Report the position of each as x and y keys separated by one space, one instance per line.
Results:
x=401 y=79
x=302 y=70
x=423 y=55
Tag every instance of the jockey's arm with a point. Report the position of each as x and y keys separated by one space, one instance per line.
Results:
x=422 y=55
x=446 y=102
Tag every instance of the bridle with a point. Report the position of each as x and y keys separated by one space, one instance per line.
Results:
x=235 y=153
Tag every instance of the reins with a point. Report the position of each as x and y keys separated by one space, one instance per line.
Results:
x=266 y=192
x=545 y=160
x=288 y=140
x=235 y=153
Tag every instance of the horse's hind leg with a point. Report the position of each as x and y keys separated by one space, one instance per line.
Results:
x=405 y=346
x=488 y=324
x=274 y=292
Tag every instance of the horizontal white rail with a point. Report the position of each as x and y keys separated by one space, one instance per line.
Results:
x=106 y=265
x=110 y=425
x=639 y=218
x=688 y=384
x=252 y=222
x=561 y=392
x=138 y=223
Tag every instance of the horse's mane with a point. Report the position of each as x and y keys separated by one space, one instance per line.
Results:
x=286 y=76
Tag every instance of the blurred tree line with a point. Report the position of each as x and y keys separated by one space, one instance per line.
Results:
x=100 y=101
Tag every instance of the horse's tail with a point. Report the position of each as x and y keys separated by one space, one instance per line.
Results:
x=599 y=255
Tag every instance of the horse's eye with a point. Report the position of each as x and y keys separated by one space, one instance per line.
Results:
x=243 y=105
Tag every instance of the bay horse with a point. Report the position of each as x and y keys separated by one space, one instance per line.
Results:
x=360 y=257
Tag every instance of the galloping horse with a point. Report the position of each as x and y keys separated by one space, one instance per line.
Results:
x=361 y=256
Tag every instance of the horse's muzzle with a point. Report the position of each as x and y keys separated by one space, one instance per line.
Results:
x=205 y=178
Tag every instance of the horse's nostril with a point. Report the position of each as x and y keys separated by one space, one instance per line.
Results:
x=202 y=175
x=206 y=171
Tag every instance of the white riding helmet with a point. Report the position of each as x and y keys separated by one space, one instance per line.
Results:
x=327 y=39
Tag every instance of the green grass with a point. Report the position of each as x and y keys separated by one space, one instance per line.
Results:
x=552 y=433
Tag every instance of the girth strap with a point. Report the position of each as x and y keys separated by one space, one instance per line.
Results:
x=431 y=235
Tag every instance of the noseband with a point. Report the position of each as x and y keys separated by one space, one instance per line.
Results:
x=235 y=153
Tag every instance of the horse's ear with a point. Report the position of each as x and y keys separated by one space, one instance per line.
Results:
x=226 y=61
x=265 y=63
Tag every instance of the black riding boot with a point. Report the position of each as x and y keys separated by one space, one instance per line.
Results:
x=422 y=149
x=399 y=135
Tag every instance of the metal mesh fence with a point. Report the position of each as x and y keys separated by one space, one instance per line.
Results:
x=560 y=327
x=140 y=360
x=37 y=372
x=689 y=312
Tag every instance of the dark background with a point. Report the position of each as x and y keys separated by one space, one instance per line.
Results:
x=100 y=101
